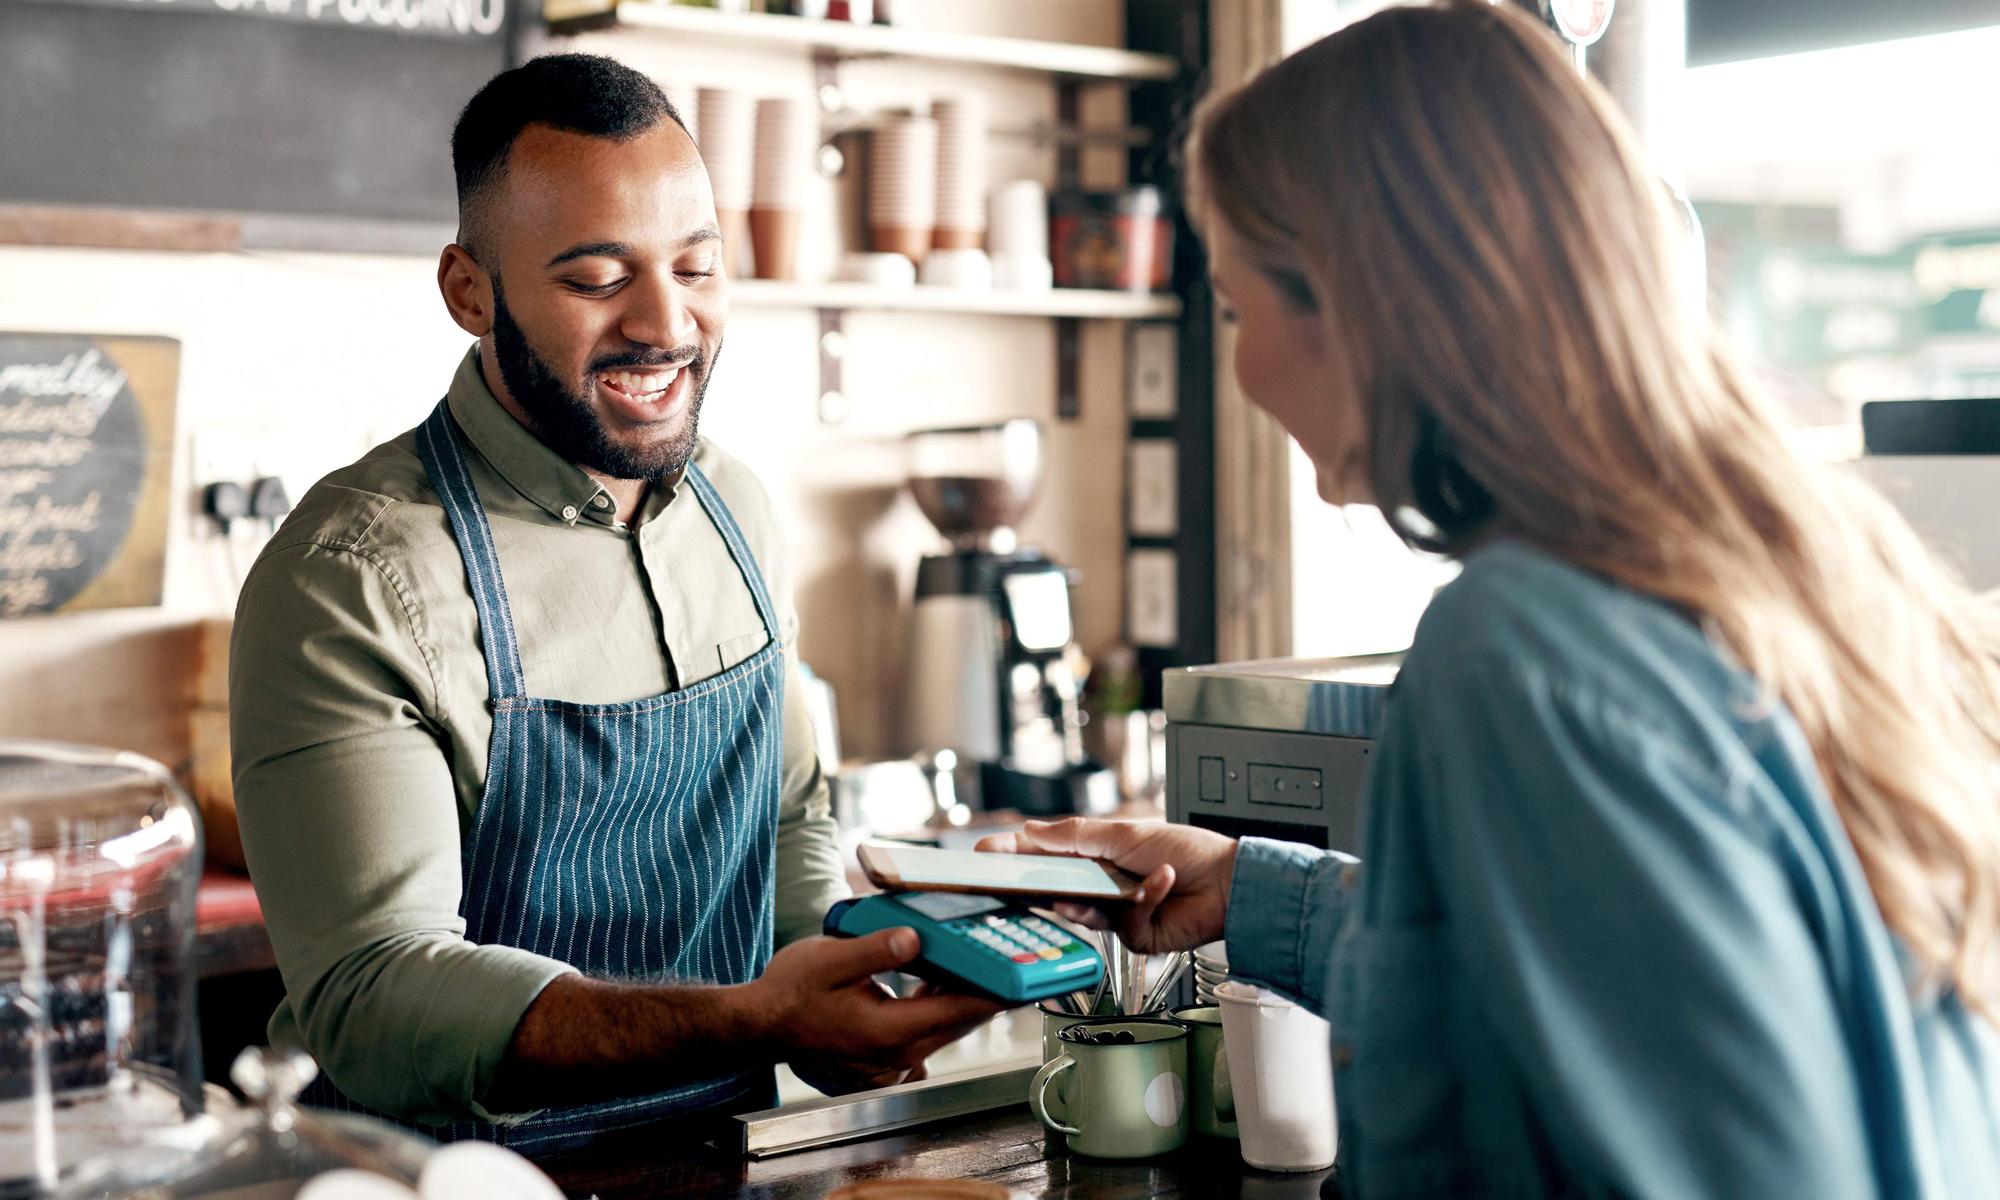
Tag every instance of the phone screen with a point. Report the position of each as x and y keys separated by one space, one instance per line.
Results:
x=1014 y=872
x=949 y=906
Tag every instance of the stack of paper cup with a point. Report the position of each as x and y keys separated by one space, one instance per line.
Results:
x=728 y=123
x=683 y=99
x=961 y=171
x=1281 y=1070
x=1211 y=970
x=902 y=186
x=787 y=136
x=1019 y=238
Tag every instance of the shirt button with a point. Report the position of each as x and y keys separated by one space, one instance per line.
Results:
x=569 y=512
x=601 y=500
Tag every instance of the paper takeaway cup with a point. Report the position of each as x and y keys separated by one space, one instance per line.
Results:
x=961 y=170
x=1281 y=1077
x=902 y=178
x=1020 y=221
x=787 y=136
x=727 y=122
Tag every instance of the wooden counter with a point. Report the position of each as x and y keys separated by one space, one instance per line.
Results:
x=1009 y=1148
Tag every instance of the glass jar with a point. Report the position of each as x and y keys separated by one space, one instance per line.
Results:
x=100 y=857
x=272 y=1149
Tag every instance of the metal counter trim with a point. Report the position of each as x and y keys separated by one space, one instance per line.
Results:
x=834 y=1119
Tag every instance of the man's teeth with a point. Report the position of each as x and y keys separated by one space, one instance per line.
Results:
x=649 y=384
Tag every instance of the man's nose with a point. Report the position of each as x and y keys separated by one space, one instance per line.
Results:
x=659 y=314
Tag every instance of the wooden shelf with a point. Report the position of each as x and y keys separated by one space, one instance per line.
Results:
x=1057 y=302
x=839 y=38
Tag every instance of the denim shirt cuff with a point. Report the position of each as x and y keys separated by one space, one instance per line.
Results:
x=1285 y=908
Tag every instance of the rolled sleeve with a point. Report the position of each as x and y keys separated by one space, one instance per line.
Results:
x=1286 y=905
x=351 y=828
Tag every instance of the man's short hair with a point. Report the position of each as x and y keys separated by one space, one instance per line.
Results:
x=576 y=93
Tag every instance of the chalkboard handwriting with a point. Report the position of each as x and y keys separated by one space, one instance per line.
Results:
x=447 y=18
x=51 y=411
x=86 y=378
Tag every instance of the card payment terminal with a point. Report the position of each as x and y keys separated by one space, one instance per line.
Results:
x=988 y=946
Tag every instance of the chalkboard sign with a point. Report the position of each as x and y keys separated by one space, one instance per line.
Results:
x=227 y=108
x=86 y=451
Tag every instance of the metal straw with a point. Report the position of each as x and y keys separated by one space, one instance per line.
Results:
x=1176 y=968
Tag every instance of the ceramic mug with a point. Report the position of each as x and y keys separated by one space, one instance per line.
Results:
x=1128 y=1099
x=1211 y=1100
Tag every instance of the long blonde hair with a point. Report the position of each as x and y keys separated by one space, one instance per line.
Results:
x=1499 y=274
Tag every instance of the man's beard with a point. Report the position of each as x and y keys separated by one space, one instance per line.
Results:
x=563 y=419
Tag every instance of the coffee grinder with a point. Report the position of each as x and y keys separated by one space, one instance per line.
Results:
x=991 y=635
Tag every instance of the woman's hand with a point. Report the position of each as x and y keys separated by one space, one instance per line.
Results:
x=1186 y=873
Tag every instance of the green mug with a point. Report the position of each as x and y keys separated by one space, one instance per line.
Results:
x=1211 y=1101
x=1055 y=1020
x=1127 y=1100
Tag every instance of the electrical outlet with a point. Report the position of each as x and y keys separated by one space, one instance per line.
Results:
x=223 y=456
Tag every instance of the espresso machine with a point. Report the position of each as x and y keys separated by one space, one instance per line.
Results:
x=992 y=643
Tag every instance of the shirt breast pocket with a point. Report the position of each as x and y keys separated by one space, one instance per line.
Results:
x=1393 y=1045
x=731 y=651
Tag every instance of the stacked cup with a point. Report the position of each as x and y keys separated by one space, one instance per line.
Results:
x=786 y=139
x=961 y=172
x=727 y=121
x=1211 y=971
x=902 y=186
x=1020 y=237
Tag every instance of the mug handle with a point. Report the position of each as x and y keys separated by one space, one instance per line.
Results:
x=1038 y=1093
x=1225 y=1091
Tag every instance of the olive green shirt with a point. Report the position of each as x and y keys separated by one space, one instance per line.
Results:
x=360 y=721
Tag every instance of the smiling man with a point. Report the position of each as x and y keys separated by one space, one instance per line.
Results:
x=524 y=776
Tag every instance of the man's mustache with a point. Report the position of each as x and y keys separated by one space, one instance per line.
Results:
x=649 y=358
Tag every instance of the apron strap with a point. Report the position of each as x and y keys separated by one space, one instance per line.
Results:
x=739 y=548
x=442 y=447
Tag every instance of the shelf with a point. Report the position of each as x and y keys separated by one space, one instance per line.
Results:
x=1057 y=302
x=846 y=40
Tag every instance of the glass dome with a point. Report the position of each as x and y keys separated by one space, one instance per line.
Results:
x=100 y=856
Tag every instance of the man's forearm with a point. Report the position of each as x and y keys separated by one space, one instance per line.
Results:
x=585 y=1040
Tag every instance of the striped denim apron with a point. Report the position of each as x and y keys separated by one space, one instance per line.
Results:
x=634 y=841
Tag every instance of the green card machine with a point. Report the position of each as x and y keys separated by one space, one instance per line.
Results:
x=977 y=943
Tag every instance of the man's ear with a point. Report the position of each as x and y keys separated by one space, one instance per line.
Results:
x=467 y=290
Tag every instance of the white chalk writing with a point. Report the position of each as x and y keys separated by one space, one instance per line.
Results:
x=49 y=417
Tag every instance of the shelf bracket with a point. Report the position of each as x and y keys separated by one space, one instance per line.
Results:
x=1069 y=153
x=832 y=351
x=1069 y=368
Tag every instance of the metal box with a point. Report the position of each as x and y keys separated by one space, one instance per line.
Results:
x=1279 y=748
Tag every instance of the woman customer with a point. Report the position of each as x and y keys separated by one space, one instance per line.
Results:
x=1682 y=849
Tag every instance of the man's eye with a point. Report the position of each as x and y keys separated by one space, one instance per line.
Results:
x=693 y=274
x=593 y=289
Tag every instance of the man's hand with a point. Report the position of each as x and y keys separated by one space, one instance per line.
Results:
x=842 y=1031
x=1186 y=873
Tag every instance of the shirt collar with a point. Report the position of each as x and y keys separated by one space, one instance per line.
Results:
x=560 y=487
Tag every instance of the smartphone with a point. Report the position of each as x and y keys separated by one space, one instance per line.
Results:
x=925 y=869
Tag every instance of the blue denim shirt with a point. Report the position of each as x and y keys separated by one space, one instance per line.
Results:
x=1611 y=938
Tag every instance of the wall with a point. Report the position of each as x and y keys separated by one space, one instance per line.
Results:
x=313 y=357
